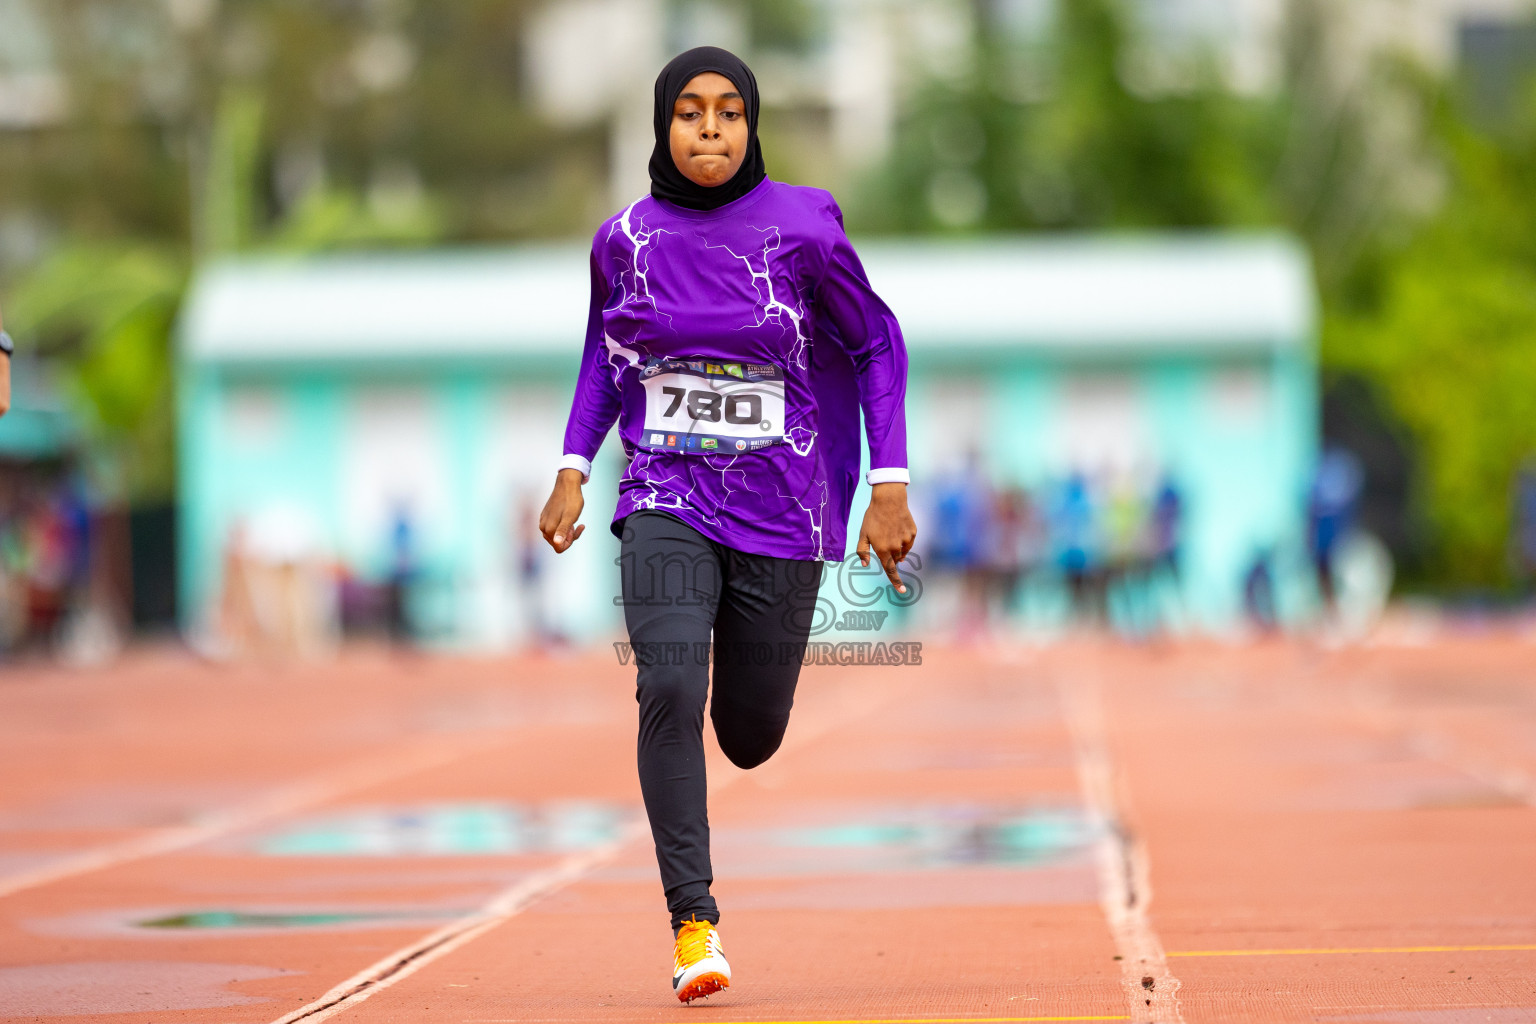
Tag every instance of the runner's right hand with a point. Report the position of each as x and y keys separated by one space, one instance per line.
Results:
x=558 y=520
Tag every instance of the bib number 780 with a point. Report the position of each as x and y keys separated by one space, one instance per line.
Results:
x=688 y=409
x=707 y=406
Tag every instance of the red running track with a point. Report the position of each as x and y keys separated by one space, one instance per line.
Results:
x=1089 y=832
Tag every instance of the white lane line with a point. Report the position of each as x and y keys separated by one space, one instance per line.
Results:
x=406 y=961
x=287 y=800
x=1125 y=876
x=1374 y=703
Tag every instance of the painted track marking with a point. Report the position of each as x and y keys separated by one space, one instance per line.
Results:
x=1361 y=949
x=1125 y=875
x=406 y=961
x=286 y=800
x=852 y=1020
x=1375 y=703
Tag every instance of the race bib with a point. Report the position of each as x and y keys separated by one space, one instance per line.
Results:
x=696 y=405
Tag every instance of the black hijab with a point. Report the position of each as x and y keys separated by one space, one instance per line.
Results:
x=669 y=183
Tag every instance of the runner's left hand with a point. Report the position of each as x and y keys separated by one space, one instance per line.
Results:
x=888 y=530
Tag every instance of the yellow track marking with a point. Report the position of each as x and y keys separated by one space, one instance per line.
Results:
x=1362 y=949
x=859 y=1020
x=923 y=1020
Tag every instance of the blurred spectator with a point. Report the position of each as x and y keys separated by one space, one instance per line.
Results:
x=237 y=624
x=1076 y=530
x=532 y=555
x=1014 y=549
x=402 y=570
x=1113 y=549
x=6 y=348
x=278 y=598
x=75 y=523
x=1167 y=525
x=50 y=601
x=47 y=539
x=1164 y=574
x=1259 y=592
x=963 y=534
x=1127 y=533
x=1331 y=509
x=961 y=515
x=1523 y=527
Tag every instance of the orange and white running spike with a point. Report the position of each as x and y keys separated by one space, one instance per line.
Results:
x=699 y=962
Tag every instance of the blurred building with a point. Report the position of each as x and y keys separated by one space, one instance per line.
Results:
x=850 y=66
x=31 y=89
x=327 y=405
x=324 y=401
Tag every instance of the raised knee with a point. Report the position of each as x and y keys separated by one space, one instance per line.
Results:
x=749 y=751
x=752 y=757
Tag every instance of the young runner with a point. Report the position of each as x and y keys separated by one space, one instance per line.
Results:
x=6 y=350
x=734 y=337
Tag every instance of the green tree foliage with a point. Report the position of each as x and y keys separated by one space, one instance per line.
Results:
x=1448 y=330
x=111 y=305
x=1056 y=132
x=1418 y=224
x=200 y=128
x=197 y=128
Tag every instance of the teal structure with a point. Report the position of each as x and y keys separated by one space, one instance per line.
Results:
x=348 y=391
x=37 y=427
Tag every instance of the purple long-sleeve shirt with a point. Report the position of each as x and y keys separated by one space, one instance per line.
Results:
x=736 y=348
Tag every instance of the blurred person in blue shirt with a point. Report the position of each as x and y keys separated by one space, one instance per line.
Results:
x=963 y=507
x=1166 y=526
x=1075 y=524
x=1523 y=526
x=1331 y=509
x=1259 y=592
x=402 y=569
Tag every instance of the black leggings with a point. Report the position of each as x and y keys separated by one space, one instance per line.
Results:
x=678 y=587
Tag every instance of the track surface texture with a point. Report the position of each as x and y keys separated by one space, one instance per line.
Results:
x=1090 y=831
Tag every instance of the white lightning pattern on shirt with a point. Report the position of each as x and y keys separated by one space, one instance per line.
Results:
x=643 y=463
x=650 y=468
x=772 y=309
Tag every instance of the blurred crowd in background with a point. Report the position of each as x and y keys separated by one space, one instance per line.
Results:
x=1109 y=546
x=57 y=594
x=1396 y=139
x=284 y=593
x=1104 y=552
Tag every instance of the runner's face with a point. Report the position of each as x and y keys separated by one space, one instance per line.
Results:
x=709 y=130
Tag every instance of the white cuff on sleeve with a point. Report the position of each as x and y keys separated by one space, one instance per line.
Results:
x=887 y=476
x=577 y=462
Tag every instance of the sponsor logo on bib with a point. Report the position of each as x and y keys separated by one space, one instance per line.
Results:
x=709 y=442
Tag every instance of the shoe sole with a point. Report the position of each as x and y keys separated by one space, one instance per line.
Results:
x=703 y=985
